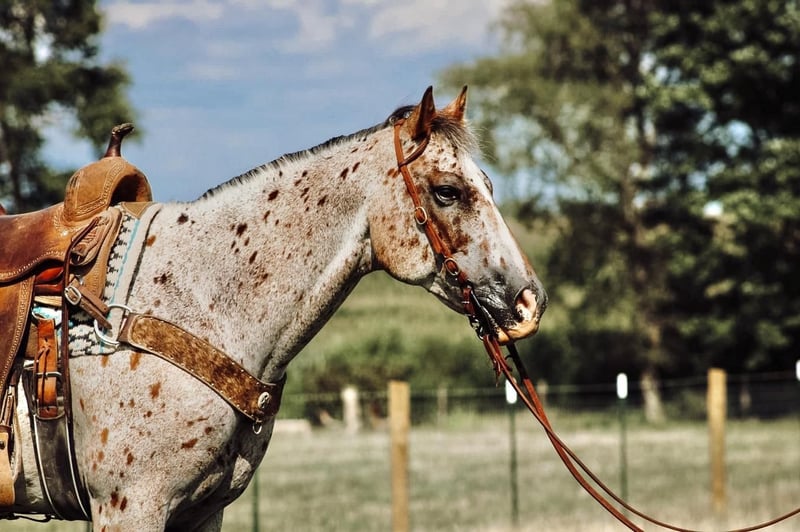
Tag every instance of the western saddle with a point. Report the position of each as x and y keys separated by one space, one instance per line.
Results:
x=49 y=256
x=56 y=260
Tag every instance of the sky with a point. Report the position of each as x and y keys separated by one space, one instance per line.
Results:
x=221 y=87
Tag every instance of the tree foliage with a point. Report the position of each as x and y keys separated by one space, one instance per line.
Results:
x=562 y=105
x=627 y=123
x=49 y=64
x=726 y=103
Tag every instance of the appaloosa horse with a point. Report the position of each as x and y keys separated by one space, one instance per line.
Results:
x=256 y=266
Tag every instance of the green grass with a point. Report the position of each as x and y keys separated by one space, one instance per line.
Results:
x=459 y=477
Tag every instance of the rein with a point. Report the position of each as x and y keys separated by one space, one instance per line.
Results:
x=482 y=323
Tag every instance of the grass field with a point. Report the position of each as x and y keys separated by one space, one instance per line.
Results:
x=332 y=481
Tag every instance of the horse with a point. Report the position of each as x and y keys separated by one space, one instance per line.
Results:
x=255 y=267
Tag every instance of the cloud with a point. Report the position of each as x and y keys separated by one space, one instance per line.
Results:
x=404 y=28
x=317 y=27
x=416 y=25
x=139 y=15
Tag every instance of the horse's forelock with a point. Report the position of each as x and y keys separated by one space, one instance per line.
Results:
x=456 y=131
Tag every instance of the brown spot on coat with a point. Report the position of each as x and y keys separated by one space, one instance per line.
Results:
x=183 y=218
x=129 y=458
x=136 y=357
x=189 y=444
x=150 y=240
x=241 y=228
x=123 y=504
x=104 y=436
x=343 y=175
x=355 y=166
x=272 y=195
x=155 y=389
x=252 y=258
x=322 y=201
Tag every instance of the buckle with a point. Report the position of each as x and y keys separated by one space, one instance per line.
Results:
x=73 y=295
x=112 y=341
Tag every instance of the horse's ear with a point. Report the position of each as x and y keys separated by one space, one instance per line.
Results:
x=420 y=120
x=458 y=107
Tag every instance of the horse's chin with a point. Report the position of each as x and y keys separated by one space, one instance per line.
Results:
x=518 y=332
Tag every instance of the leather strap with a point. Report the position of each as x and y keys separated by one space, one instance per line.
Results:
x=45 y=368
x=480 y=321
x=8 y=411
x=7 y=494
x=255 y=399
x=438 y=245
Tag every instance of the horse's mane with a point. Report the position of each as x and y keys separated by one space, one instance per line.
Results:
x=453 y=130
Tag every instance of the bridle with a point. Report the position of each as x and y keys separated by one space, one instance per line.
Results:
x=481 y=322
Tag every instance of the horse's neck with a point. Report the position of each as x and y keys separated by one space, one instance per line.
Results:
x=261 y=264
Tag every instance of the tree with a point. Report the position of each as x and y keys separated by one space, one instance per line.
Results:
x=664 y=138
x=725 y=100
x=563 y=108
x=48 y=60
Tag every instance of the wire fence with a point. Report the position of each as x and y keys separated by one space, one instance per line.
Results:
x=756 y=395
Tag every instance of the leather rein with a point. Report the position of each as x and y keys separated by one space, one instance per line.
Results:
x=481 y=321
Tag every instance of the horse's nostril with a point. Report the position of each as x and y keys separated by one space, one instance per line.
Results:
x=525 y=305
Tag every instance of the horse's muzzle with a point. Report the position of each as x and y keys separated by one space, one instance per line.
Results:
x=529 y=305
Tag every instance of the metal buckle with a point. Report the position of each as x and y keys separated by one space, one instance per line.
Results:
x=73 y=295
x=108 y=339
x=451 y=266
x=420 y=215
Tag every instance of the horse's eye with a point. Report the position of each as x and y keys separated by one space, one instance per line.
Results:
x=446 y=195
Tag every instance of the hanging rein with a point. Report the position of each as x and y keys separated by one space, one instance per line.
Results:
x=482 y=323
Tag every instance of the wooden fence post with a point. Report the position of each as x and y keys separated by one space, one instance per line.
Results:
x=717 y=412
x=399 y=424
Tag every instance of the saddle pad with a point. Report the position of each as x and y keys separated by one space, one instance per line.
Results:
x=123 y=262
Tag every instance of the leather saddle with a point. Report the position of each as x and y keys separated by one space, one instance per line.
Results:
x=42 y=252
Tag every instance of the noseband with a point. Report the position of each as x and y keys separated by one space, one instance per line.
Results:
x=482 y=323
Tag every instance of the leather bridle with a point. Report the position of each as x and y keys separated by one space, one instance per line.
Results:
x=481 y=321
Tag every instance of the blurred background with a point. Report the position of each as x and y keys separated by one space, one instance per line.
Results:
x=646 y=154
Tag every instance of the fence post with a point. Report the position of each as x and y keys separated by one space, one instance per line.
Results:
x=399 y=424
x=622 y=400
x=717 y=411
x=351 y=409
x=256 y=498
x=511 y=399
x=441 y=405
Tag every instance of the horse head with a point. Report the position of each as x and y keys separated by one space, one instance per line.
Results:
x=440 y=228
